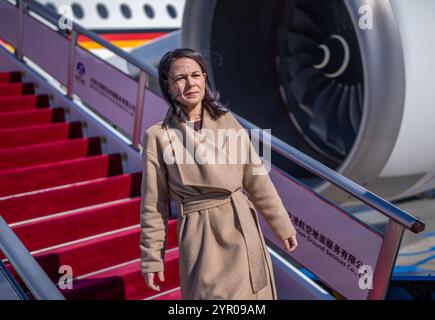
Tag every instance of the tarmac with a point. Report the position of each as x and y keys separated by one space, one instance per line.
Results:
x=416 y=255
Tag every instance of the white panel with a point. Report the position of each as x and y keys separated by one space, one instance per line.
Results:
x=414 y=151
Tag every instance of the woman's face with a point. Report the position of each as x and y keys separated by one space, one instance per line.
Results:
x=187 y=82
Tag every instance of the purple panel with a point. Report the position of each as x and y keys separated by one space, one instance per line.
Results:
x=9 y=23
x=155 y=108
x=332 y=244
x=107 y=90
x=46 y=48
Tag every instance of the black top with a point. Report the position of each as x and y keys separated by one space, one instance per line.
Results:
x=196 y=124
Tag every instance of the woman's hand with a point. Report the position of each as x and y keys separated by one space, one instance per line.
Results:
x=291 y=243
x=149 y=279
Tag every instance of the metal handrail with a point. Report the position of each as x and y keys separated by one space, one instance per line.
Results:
x=26 y=266
x=402 y=217
x=8 y=276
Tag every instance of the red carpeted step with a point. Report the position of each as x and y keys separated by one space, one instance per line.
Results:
x=86 y=193
x=11 y=76
x=43 y=176
x=16 y=89
x=92 y=255
x=88 y=257
x=20 y=103
x=170 y=295
x=56 y=229
x=123 y=283
x=99 y=253
x=10 y=138
x=48 y=152
x=17 y=119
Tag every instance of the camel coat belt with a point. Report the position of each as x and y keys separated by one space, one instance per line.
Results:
x=250 y=231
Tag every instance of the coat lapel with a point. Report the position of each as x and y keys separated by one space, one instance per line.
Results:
x=201 y=157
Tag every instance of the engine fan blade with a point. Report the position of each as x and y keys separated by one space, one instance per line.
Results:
x=318 y=123
x=347 y=132
x=316 y=12
x=355 y=109
x=331 y=115
x=304 y=24
x=298 y=63
x=314 y=88
x=299 y=43
x=299 y=84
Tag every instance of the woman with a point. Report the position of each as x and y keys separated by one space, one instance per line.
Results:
x=222 y=252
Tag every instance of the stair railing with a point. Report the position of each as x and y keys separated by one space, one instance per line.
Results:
x=28 y=269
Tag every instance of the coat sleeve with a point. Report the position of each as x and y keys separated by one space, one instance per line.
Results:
x=154 y=208
x=262 y=192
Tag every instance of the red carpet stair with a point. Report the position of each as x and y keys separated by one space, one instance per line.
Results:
x=69 y=203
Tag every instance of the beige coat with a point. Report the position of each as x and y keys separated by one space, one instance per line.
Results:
x=222 y=252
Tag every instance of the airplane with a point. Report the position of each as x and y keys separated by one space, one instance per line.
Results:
x=329 y=85
x=126 y=24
